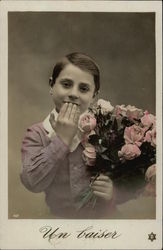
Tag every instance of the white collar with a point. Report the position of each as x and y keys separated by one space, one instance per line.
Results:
x=47 y=126
x=46 y=123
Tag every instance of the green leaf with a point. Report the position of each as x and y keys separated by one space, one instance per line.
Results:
x=85 y=199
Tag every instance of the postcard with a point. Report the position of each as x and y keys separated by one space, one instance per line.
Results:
x=81 y=125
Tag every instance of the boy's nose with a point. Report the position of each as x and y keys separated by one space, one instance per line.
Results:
x=73 y=95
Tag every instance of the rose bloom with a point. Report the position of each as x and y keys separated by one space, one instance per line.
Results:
x=120 y=110
x=89 y=155
x=106 y=106
x=153 y=135
x=129 y=152
x=134 y=134
x=148 y=119
x=150 y=136
x=133 y=113
x=150 y=174
x=154 y=122
x=87 y=122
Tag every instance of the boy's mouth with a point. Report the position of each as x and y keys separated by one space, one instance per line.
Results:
x=72 y=102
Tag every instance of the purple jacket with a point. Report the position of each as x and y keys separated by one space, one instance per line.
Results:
x=49 y=166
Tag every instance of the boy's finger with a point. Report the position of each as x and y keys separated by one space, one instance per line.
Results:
x=76 y=115
x=102 y=177
x=100 y=189
x=102 y=183
x=102 y=195
x=68 y=111
x=73 y=111
x=63 y=110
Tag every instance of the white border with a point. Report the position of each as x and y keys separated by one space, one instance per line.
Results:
x=24 y=234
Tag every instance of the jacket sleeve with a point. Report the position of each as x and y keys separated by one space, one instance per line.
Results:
x=40 y=162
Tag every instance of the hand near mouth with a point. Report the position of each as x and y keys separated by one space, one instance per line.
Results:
x=66 y=125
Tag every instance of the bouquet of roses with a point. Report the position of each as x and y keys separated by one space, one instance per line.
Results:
x=119 y=142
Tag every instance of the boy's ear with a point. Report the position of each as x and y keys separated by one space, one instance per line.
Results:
x=50 y=80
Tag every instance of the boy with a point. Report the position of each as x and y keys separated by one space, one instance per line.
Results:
x=52 y=150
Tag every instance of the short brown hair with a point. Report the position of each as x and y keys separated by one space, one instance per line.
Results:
x=80 y=60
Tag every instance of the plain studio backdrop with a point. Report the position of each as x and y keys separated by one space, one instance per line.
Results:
x=123 y=44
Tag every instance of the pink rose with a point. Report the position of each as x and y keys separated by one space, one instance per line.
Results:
x=129 y=152
x=150 y=174
x=150 y=136
x=148 y=119
x=120 y=110
x=154 y=122
x=153 y=135
x=87 y=122
x=89 y=155
x=106 y=106
x=134 y=135
x=133 y=112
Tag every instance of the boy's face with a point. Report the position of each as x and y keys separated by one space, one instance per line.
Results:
x=75 y=86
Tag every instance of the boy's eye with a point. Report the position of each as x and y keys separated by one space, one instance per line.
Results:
x=66 y=84
x=84 y=88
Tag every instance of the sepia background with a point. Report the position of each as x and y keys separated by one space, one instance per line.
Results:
x=123 y=44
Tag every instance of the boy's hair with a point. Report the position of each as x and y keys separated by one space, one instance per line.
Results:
x=80 y=60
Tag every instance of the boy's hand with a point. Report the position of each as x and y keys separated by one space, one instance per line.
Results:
x=103 y=187
x=67 y=123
